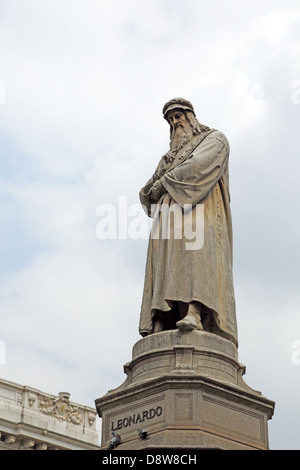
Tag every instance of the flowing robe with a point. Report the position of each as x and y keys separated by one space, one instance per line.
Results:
x=198 y=176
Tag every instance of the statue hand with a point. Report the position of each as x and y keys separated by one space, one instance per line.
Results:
x=165 y=162
x=169 y=156
x=157 y=190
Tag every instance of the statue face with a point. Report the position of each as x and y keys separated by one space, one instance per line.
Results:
x=181 y=131
x=176 y=118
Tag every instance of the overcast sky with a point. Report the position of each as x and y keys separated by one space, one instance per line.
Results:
x=82 y=86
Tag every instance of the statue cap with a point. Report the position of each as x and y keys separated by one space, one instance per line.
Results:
x=177 y=103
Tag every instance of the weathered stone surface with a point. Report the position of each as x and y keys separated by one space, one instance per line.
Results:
x=188 y=275
x=185 y=383
x=186 y=390
x=33 y=420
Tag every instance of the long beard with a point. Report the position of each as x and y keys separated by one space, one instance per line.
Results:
x=179 y=137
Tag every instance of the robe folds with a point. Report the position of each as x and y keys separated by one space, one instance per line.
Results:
x=197 y=202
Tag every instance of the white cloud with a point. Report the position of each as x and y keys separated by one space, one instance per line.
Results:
x=276 y=25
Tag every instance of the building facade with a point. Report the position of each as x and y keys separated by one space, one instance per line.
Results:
x=33 y=420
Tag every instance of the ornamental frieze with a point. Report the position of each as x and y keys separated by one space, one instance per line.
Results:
x=60 y=408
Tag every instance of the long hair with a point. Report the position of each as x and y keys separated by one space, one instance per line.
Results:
x=196 y=126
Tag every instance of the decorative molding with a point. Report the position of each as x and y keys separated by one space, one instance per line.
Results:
x=91 y=418
x=31 y=399
x=60 y=408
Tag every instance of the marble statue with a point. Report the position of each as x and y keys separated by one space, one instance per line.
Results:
x=189 y=285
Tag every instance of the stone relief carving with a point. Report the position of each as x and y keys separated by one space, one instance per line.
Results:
x=31 y=399
x=91 y=419
x=60 y=408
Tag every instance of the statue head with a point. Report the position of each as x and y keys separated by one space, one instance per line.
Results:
x=177 y=103
x=184 y=125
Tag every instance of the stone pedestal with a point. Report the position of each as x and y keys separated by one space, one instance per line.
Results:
x=186 y=390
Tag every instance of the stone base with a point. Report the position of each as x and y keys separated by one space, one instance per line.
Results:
x=186 y=390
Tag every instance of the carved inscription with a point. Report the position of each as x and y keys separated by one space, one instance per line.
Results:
x=136 y=418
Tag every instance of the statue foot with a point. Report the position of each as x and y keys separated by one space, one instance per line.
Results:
x=190 y=322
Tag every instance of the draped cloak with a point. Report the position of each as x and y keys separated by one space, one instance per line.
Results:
x=198 y=177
